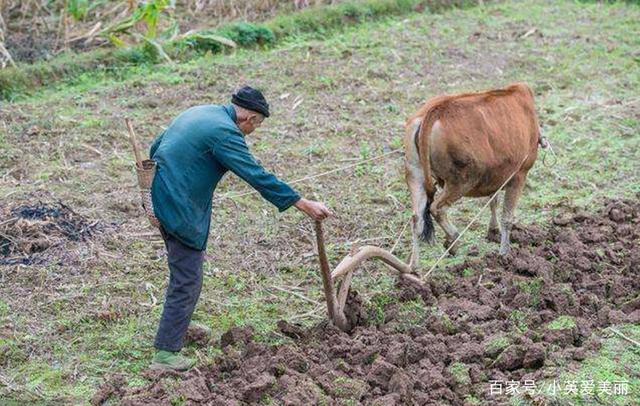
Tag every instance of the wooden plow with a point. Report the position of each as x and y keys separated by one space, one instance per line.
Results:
x=344 y=273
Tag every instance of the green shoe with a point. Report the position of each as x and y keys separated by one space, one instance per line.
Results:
x=171 y=361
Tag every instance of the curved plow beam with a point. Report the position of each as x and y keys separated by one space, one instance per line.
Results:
x=345 y=270
x=353 y=261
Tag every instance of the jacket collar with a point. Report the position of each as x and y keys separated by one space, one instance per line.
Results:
x=231 y=112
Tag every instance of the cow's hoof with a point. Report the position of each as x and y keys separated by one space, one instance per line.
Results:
x=453 y=250
x=493 y=235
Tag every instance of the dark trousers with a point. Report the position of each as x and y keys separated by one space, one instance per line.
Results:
x=185 y=283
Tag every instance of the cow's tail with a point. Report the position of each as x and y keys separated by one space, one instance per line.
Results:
x=422 y=132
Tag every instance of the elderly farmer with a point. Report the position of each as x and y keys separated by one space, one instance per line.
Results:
x=192 y=155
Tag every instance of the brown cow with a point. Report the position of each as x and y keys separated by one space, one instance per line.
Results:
x=470 y=144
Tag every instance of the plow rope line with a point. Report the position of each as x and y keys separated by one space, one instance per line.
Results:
x=232 y=196
x=400 y=236
x=360 y=162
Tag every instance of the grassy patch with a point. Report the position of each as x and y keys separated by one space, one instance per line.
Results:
x=24 y=78
x=377 y=306
x=411 y=313
x=467 y=273
x=472 y=400
x=460 y=373
x=519 y=320
x=532 y=287
x=4 y=309
x=315 y=21
x=562 y=323
x=611 y=377
x=496 y=346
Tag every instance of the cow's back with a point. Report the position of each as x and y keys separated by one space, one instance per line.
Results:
x=480 y=139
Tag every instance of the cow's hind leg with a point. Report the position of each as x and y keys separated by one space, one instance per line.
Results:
x=448 y=196
x=420 y=203
x=493 y=234
x=511 y=195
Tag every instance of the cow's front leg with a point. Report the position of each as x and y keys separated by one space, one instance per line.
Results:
x=493 y=234
x=442 y=202
x=511 y=196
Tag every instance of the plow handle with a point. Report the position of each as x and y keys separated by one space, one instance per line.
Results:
x=336 y=315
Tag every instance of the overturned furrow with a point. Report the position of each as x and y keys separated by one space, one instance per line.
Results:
x=494 y=318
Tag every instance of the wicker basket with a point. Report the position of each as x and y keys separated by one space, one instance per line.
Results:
x=146 y=171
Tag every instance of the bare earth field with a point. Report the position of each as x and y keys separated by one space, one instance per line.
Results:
x=82 y=275
x=524 y=318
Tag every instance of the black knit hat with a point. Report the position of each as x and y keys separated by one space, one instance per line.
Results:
x=251 y=99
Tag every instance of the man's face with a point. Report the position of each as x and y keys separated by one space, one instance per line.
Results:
x=250 y=123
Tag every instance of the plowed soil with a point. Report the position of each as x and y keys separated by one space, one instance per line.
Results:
x=517 y=318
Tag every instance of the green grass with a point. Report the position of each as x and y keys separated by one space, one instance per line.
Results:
x=357 y=87
x=460 y=373
x=467 y=273
x=562 y=323
x=533 y=287
x=519 y=320
x=498 y=345
x=472 y=400
x=617 y=361
x=411 y=313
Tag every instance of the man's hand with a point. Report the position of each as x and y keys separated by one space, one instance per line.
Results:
x=315 y=210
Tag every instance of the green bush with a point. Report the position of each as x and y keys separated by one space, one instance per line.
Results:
x=246 y=34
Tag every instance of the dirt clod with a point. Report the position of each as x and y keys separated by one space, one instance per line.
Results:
x=236 y=335
x=534 y=358
x=258 y=387
x=198 y=336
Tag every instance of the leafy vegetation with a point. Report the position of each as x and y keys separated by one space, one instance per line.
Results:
x=78 y=8
x=460 y=373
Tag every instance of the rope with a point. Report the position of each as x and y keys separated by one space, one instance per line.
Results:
x=399 y=236
x=545 y=144
x=474 y=219
x=233 y=196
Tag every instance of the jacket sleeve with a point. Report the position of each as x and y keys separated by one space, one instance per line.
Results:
x=154 y=146
x=233 y=153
